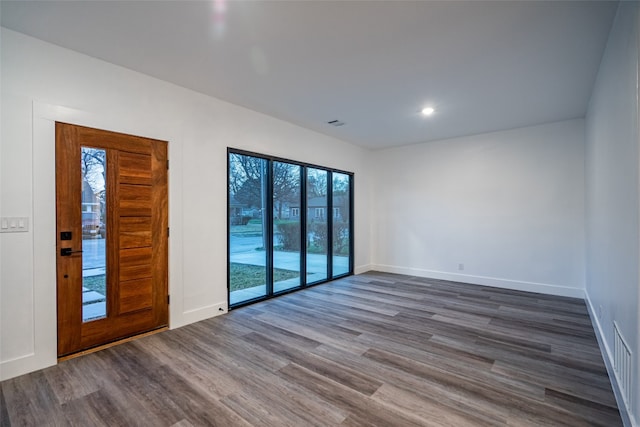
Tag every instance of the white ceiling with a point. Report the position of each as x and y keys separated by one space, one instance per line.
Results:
x=485 y=66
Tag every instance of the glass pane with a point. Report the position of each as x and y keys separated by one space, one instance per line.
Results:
x=286 y=226
x=341 y=220
x=247 y=227
x=94 y=232
x=317 y=231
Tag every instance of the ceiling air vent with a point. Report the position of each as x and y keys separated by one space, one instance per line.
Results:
x=336 y=123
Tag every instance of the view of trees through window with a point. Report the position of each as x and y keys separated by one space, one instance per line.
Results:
x=317 y=227
x=93 y=164
x=341 y=224
x=268 y=202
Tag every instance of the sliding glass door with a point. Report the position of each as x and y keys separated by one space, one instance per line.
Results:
x=317 y=228
x=289 y=225
x=341 y=225
x=248 y=233
x=286 y=226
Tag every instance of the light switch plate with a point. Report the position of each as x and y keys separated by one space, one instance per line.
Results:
x=14 y=224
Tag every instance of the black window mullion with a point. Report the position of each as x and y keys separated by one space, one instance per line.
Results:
x=303 y=226
x=351 y=233
x=229 y=153
x=329 y=216
x=269 y=227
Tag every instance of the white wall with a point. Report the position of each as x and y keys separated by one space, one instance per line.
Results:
x=42 y=83
x=508 y=205
x=613 y=216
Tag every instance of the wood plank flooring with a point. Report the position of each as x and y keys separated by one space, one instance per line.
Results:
x=369 y=350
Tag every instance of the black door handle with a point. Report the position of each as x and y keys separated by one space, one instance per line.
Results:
x=68 y=252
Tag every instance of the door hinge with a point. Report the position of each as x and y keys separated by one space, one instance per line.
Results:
x=168 y=231
x=167 y=164
x=168 y=299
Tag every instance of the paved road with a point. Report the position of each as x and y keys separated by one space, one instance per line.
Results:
x=240 y=244
x=243 y=250
x=93 y=257
x=94 y=250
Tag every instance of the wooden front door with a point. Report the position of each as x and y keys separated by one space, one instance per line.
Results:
x=112 y=236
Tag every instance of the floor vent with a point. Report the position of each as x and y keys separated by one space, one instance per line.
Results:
x=622 y=364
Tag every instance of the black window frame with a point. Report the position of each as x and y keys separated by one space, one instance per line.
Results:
x=303 y=226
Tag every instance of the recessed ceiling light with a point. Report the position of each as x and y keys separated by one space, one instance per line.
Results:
x=427 y=111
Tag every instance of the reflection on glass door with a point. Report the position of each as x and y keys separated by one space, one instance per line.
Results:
x=247 y=227
x=286 y=226
x=94 y=232
x=317 y=230
x=341 y=224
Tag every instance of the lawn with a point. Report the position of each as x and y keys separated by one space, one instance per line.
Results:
x=252 y=229
x=95 y=283
x=245 y=276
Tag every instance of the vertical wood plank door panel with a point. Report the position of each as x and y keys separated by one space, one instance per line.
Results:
x=125 y=221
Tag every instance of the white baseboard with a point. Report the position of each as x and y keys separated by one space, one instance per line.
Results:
x=23 y=365
x=362 y=268
x=518 y=285
x=200 y=313
x=607 y=356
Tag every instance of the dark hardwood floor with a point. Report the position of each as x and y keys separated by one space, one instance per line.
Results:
x=369 y=350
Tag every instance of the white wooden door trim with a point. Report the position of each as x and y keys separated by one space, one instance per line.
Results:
x=43 y=351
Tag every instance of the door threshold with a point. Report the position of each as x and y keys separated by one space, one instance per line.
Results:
x=111 y=344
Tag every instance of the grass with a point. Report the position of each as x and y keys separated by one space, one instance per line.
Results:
x=252 y=229
x=245 y=276
x=96 y=283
